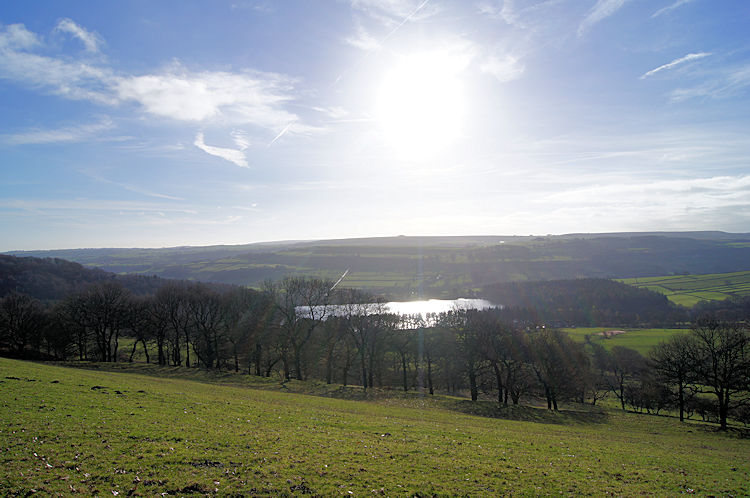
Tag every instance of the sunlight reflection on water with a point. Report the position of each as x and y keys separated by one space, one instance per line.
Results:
x=423 y=308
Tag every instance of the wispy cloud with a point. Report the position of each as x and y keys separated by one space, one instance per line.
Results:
x=130 y=188
x=676 y=62
x=241 y=98
x=250 y=98
x=91 y=41
x=725 y=83
x=363 y=40
x=75 y=133
x=504 y=68
x=392 y=11
x=728 y=188
x=670 y=8
x=71 y=79
x=600 y=11
x=232 y=155
x=17 y=37
x=240 y=138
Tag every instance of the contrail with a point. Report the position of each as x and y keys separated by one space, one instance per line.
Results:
x=380 y=44
x=688 y=57
x=339 y=280
x=281 y=134
x=421 y=5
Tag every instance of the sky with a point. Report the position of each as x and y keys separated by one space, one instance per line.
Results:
x=171 y=123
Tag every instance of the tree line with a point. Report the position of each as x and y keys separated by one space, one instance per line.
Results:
x=306 y=329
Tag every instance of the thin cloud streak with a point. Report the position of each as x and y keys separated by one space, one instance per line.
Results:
x=670 y=8
x=281 y=134
x=366 y=42
x=729 y=82
x=676 y=62
x=61 y=135
x=130 y=188
x=91 y=41
x=232 y=155
x=504 y=69
x=600 y=11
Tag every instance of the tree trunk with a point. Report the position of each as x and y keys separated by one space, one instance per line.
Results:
x=117 y=343
x=723 y=409
x=429 y=375
x=473 y=385
x=499 y=378
x=403 y=368
x=329 y=366
x=145 y=350
x=364 y=372
x=160 y=351
x=132 y=353
x=187 y=349
x=285 y=364
x=258 y=357
x=298 y=363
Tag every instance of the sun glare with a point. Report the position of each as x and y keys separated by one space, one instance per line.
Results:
x=421 y=104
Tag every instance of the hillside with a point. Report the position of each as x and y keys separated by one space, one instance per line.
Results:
x=688 y=290
x=69 y=431
x=587 y=302
x=50 y=279
x=405 y=267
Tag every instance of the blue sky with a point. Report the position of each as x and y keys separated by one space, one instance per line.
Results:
x=151 y=124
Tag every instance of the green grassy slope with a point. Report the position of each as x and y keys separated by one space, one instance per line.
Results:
x=67 y=430
x=688 y=290
x=642 y=340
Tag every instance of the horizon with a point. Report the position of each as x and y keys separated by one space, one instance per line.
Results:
x=686 y=233
x=141 y=125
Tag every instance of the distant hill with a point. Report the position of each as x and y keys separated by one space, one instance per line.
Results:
x=689 y=290
x=50 y=279
x=407 y=267
x=587 y=302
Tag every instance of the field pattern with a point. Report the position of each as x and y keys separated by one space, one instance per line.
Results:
x=687 y=290
x=642 y=340
x=66 y=431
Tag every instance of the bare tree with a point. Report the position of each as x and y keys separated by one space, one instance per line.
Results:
x=172 y=302
x=206 y=313
x=21 y=319
x=557 y=362
x=369 y=325
x=403 y=343
x=138 y=322
x=302 y=303
x=100 y=311
x=619 y=367
x=673 y=364
x=465 y=327
x=721 y=355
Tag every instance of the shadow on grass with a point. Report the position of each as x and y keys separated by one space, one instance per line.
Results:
x=582 y=414
x=523 y=413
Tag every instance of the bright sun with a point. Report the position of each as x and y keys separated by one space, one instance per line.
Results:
x=421 y=104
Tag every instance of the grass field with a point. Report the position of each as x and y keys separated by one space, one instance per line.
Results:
x=642 y=340
x=687 y=290
x=65 y=431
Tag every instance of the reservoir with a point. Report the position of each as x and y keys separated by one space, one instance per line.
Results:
x=423 y=308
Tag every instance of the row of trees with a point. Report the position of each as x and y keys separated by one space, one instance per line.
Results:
x=304 y=328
